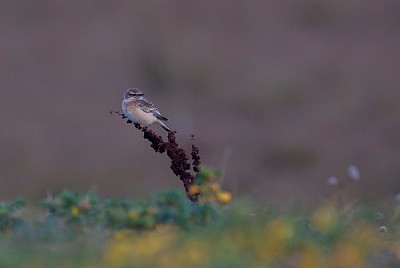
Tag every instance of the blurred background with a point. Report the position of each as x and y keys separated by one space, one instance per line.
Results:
x=281 y=95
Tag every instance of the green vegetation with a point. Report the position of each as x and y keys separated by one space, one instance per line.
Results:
x=83 y=230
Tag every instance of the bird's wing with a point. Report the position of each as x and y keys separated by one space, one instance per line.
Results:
x=148 y=107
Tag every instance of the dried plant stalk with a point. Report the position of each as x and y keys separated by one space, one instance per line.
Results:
x=180 y=165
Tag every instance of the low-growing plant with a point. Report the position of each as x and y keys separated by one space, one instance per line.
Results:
x=168 y=230
x=167 y=207
x=7 y=219
x=75 y=208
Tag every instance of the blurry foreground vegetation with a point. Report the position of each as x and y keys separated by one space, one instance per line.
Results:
x=82 y=230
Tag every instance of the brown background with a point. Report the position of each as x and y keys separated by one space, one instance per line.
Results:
x=281 y=94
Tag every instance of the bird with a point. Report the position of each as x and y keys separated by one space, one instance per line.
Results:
x=140 y=110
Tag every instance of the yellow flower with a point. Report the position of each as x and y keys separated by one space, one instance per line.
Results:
x=224 y=197
x=275 y=239
x=215 y=187
x=133 y=215
x=137 y=250
x=123 y=234
x=74 y=211
x=194 y=189
x=325 y=218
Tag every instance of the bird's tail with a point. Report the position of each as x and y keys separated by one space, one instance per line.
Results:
x=163 y=125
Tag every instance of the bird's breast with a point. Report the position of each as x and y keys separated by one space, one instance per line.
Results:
x=136 y=114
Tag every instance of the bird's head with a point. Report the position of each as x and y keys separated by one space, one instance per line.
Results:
x=132 y=92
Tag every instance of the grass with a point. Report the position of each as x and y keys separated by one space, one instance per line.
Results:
x=167 y=230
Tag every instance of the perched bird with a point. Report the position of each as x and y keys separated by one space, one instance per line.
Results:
x=140 y=110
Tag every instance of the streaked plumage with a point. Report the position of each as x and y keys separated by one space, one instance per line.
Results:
x=140 y=110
